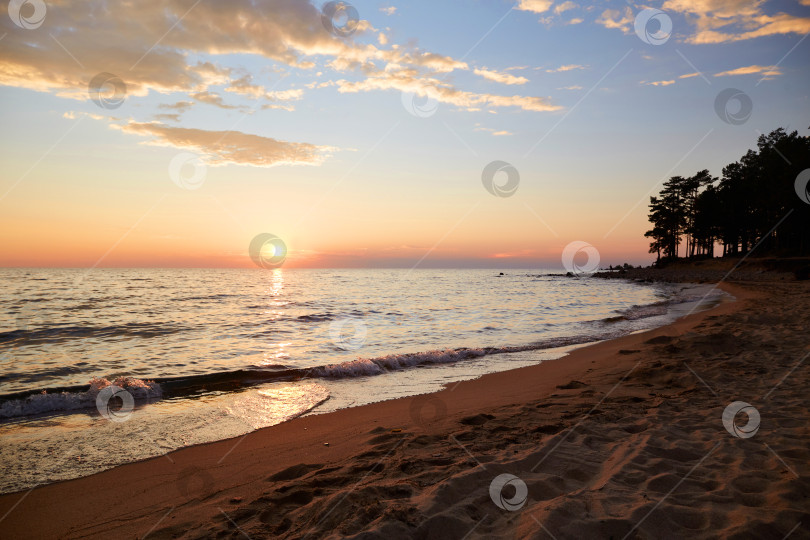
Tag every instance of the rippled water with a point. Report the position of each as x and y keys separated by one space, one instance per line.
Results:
x=62 y=327
x=230 y=351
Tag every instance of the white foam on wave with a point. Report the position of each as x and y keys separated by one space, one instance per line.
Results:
x=393 y=362
x=70 y=401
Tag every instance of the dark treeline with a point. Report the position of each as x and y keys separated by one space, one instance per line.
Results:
x=739 y=209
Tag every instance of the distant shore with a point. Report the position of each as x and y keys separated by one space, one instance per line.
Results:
x=624 y=438
x=716 y=270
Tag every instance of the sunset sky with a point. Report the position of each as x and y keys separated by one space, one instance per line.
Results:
x=367 y=149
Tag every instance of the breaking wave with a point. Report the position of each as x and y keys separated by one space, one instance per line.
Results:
x=44 y=402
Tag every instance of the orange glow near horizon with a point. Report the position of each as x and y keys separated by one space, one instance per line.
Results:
x=214 y=229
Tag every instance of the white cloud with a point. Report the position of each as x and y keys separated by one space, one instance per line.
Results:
x=503 y=78
x=612 y=18
x=535 y=6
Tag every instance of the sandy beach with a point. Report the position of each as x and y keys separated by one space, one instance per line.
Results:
x=621 y=439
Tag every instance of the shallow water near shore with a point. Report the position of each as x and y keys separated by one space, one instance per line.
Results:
x=206 y=355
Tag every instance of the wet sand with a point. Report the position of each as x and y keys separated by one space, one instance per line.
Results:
x=621 y=439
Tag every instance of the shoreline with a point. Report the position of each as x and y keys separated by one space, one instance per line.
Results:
x=197 y=487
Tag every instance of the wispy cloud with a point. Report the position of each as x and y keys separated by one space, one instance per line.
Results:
x=565 y=6
x=212 y=98
x=493 y=132
x=613 y=18
x=411 y=81
x=503 y=78
x=168 y=117
x=244 y=86
x=659 y=83
x=180 y=106
x=567 y=67
x=389 y=10
x=223 y=147
x=554 y=18
x=766 y=71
